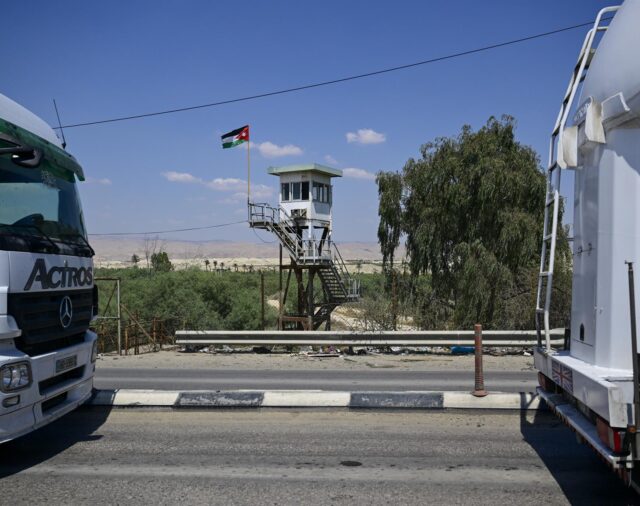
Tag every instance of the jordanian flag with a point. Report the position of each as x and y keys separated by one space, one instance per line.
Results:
x=235 y=137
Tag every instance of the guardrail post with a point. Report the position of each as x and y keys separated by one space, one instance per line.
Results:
x=479 y=390
x=262 y=323
x=119 y=315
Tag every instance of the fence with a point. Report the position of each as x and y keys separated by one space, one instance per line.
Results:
x=122 y=331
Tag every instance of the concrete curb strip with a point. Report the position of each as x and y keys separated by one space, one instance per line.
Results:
x=314 y=399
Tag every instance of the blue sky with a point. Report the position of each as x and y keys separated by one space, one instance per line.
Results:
x=106 y=59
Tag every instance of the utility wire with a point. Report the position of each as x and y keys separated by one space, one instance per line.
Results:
x=174 y=230
x=333 y=81
x=261 y=239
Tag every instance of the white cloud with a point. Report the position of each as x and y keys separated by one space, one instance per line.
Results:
x=103 y=181
x=366 y=136
x=358 y=174
x=271 y=150
x=229 y=184
x=331 y=160
x=261 y=191
x=225 y=184
x=180 y=177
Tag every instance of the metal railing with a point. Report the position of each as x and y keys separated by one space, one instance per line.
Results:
x=350 y=284
x=304 y=251
x=493 y=338
x=263 y=212
x=315 y=251
x=271 y=217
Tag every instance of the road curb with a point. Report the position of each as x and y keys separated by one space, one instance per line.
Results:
x=314 y=399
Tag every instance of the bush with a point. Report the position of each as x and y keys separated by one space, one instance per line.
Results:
x=191 y=299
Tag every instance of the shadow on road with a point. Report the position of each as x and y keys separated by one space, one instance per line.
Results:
x=581 y=475
x=36 y=447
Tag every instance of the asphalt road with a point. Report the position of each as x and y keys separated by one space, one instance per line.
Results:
x=305 y=457
x=292 y=379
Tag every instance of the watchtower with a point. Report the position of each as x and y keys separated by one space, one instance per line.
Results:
x=302 y=223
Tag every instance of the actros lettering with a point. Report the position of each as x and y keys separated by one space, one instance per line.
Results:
x=58 y=277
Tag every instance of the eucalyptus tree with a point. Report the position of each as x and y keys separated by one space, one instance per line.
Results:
x=471 y=211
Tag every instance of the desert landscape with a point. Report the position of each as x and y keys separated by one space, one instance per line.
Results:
x=118 y=252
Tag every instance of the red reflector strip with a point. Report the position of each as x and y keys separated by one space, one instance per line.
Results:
x=615 y=441
x=611 y=437
x=603 y=430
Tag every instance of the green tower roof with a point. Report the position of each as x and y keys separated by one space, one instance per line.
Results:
x=305 y=167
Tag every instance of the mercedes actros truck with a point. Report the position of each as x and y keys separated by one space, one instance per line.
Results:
x=593 y=384
x=47 y=293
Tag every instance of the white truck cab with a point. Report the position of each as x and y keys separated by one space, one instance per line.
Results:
x=47 y=293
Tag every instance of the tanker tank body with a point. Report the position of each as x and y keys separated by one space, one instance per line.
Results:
x=591 y=385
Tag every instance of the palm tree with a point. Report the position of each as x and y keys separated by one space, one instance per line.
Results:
x=206 y=264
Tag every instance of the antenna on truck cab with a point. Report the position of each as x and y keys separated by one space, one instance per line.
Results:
x=64 y=141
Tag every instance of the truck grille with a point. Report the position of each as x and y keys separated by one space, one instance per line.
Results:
x=38 y=316
x=49 y=404
x=53 y=382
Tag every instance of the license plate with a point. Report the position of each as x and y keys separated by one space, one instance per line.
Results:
x=66 y=363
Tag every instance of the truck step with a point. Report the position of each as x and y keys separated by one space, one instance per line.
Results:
x=582 y=426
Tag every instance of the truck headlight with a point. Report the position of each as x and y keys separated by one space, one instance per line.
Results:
x=94 y=351
x=15 y=376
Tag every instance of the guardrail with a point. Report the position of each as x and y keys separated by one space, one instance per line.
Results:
x=500 y=338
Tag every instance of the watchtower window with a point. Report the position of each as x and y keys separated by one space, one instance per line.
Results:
x=295 y=191
x=322 y=192
x=285 y=192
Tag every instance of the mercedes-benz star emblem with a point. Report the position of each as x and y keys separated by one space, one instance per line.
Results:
x=66 y=312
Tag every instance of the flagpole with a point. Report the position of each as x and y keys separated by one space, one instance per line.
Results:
x=248 y=170
x=248 y=175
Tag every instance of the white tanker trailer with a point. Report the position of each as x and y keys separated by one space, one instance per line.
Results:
x=593 y=384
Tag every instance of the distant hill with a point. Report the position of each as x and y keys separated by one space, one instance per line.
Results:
x=118 y=251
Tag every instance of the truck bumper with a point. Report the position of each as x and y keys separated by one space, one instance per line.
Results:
x=584 y=428
x=607 y=392
x=52 y=393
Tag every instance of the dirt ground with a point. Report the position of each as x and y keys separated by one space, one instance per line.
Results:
x=249 y=360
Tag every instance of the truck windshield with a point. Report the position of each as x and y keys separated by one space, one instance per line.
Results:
x=40 y=210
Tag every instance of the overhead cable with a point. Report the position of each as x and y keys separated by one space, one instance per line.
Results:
x=332 y=81
x=157 y=232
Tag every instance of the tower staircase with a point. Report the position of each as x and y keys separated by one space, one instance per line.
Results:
x=322 y=255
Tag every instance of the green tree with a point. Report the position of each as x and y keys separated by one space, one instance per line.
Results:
x=471 y=209
x=135 y=259
x=390 y=212
x=160 y=262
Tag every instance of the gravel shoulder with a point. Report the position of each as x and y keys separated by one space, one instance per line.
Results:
x=172 y=359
